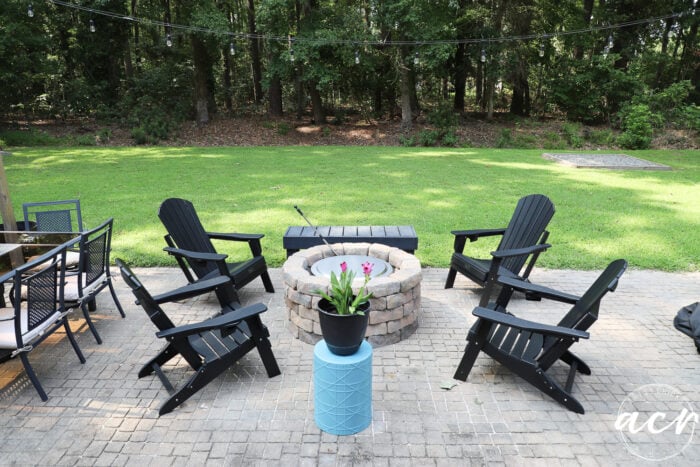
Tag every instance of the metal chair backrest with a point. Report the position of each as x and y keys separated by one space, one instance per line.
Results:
x=55 y=216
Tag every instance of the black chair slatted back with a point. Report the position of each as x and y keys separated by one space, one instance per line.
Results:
x=186 y=231
x=526 y=227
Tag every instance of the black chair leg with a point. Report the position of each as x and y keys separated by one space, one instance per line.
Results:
x=260 y=336
x=71 y=339
x=451 y=276
x=467 y=362
x=267 y=282
x=85 y=307
x=32 y=377
x=165 y=354
x=116 y=300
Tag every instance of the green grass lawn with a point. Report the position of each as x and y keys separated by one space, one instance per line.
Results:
x=651 y=218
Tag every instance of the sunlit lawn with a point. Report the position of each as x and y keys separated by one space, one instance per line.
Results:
x=651 y=218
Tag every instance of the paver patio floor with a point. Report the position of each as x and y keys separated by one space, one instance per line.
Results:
x=99 y=413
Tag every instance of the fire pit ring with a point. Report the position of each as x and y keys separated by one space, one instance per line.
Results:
x=395 y=305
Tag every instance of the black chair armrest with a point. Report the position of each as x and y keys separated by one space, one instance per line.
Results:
x=222 y=322
x=194 y=255
x=191 y=290
x=534 y=291
x=461 y=236
x=519 y=323
x=521 y=251
x=236 y=237
x=252 y=239
x=474 y=235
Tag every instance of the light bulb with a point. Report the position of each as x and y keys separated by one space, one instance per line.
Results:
x=30 y=11
x=483 y=55
x=610 y=41
x=92 y=26
x=357 y=57
x=291 y=55
x=232 y=49
x=169 y=40
x=415 y=59
x=541 y=50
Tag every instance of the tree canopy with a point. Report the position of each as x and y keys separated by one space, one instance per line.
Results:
x=152 y=63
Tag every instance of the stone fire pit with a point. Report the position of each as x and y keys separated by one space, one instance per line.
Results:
x=395 y=304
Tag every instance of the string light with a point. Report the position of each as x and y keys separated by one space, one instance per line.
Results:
x=610 y=42
x=357 y=57
x=483 y=55
x=291 y=55
x=541 y=52
x=232 y=49
x=416 y=60
x=169 y=40
x=30 y=11
x=92 y=26
x=525 y=37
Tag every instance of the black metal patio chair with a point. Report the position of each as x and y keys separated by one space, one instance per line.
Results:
x=56 y=216
x=27 y=323
x=93 y=273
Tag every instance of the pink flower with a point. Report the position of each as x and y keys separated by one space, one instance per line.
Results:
x=343 y=266
x=367 y=268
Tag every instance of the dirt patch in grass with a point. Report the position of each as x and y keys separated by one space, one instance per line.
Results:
x=473 y=131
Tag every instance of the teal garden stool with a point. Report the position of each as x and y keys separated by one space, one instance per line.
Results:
x=342 y=390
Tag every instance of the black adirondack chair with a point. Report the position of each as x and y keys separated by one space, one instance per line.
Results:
x=192 y=247
x=209 y=347
x=93 y=273
x=27 y=323
x=523 y=238
x=529 y=348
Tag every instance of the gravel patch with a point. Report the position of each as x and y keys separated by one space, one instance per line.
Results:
x=604 y=161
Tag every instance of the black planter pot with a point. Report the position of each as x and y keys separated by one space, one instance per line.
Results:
x=343 y=333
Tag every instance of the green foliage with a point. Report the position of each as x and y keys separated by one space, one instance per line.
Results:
x=604 y=137
x=30 y=138
x=283 y=128
x=505 y=139
x=157 y=102
x=572 y=134
x=340 y=293
x=407 y=141
x=444 y=118
x=429 y=137
x=85 y=140
x=637 y=123
x=140 y=136
x=553 y=140
x=450 y=139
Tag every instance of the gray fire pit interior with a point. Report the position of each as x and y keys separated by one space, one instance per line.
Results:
x=395 y=305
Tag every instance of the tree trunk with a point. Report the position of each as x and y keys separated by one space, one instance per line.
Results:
x=202 y=71
x=479 y=85
x=255 y=54
x=228 y=95
x=460 y=77
x=274 y=96
x=405 y=86
x=319 y=115
x=587 y=13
